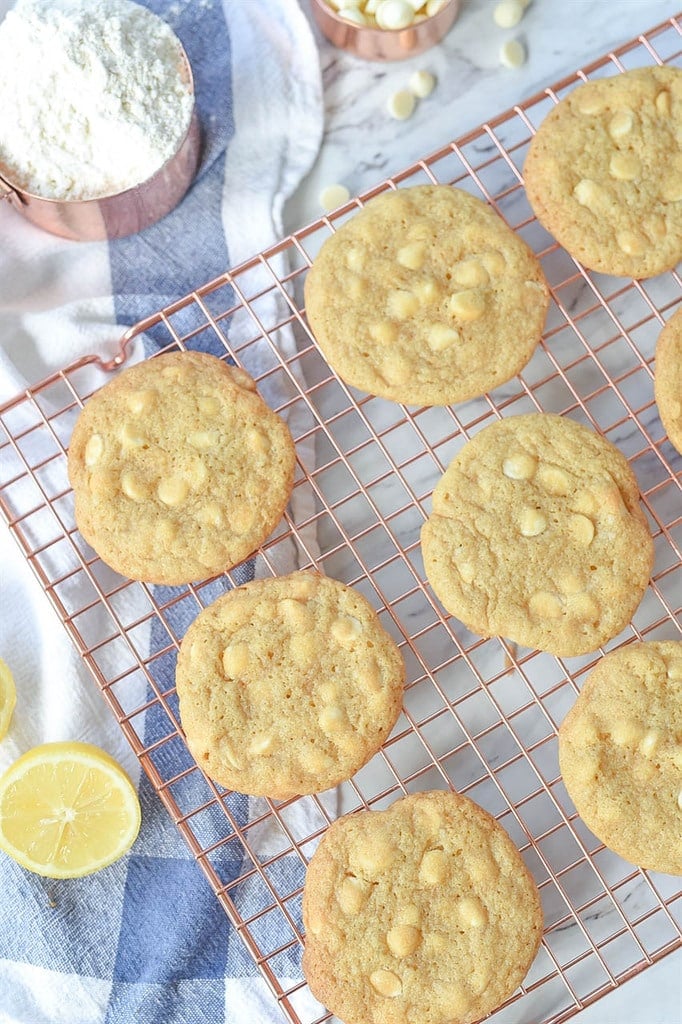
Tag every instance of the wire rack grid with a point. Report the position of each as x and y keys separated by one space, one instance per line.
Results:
x=479 y=715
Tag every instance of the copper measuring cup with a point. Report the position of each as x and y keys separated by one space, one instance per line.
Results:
x=121 y=213
x=384 y=44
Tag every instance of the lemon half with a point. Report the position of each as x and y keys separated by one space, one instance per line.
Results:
x=8 y=697
x=67 y=810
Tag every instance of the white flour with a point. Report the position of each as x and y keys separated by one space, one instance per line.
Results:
x=91 y=96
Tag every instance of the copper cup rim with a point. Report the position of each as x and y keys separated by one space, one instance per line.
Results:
x=26 y=195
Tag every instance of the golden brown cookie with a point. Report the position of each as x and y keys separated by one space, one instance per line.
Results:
x=620 y=750
x=604 y=172
x=426 y=297
x=668 y=378
x=288 y=686
x=425 y=912
x=537 y=535
x=179 y=469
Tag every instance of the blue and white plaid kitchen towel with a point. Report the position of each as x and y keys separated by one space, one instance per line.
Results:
x=144 y=941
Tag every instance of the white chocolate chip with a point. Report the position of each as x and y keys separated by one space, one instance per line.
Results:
x=131 y=436
x=649 y=742
x=472 y=912
x=470 y=274
x=140 y=401
x=353 y=14
x=94 y=450
x=260 y=744
x=663 y=103
x=590 y=100
x=355 y=259
x=589 y=194
x=493 y=261
x=621 y=124
x=203 y=439
x=631 y=242
x=384 y=333
x=553 y=480
x=208 y=405
x=441 y=336
x=571 y=584
x=422 y=83
x=133 y=487
x=386 y=983
x=508 y=13
x=328 y=692
x=402 y=304
x=375 y=857
x=679 y=800
x=582 y=529
x=585 y=607
x=258 y=441
x=532 y=523
x=545 y=605
x=513 y=54
x=412 y=255
x=403 y=939
x=346 y=630
x=333 y=196
x=401 y=104
x=433 y=867
x=241 y=518
x=210 y=514
x=434 y=6
x=333 y=719
x=426 y=291
x=352 y=895
x=173 y=490
x=520 y=466
x=467 y=305
x=625 y=733
x=167 y=531
x=671 y=188
x=236 y=660
x=394 y=14
x=625 y=166
x=674 y=670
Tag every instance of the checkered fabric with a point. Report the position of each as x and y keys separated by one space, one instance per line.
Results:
x=145 y=940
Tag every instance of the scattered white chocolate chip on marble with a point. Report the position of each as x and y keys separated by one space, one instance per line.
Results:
x=512 y=54
x=401 y=104
x=333 y=196
x=422 y=84
x=508 y=13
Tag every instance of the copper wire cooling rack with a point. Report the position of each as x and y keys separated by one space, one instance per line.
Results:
x=479 y=715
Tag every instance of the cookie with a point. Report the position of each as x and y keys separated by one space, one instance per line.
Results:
x=287 y=686
x=426 y=297
x=425 y=912
x=604 y=172
x=179 y=469
x=668 y=379
x=537 y=535
x=620 y=751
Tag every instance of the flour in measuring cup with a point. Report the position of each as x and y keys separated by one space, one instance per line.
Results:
x=92 y=96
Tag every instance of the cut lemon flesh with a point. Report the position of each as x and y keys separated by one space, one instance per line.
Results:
x=8 y=697
x=66 y=810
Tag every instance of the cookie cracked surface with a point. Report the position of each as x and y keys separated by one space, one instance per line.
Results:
x=620 y=751
x=288 y=686
x=179 y=469
x=537 y=535
x=421 y=914
x=426 y=297
x=604 y=172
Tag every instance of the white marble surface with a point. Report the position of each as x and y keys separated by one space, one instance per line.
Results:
x=363 y=145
